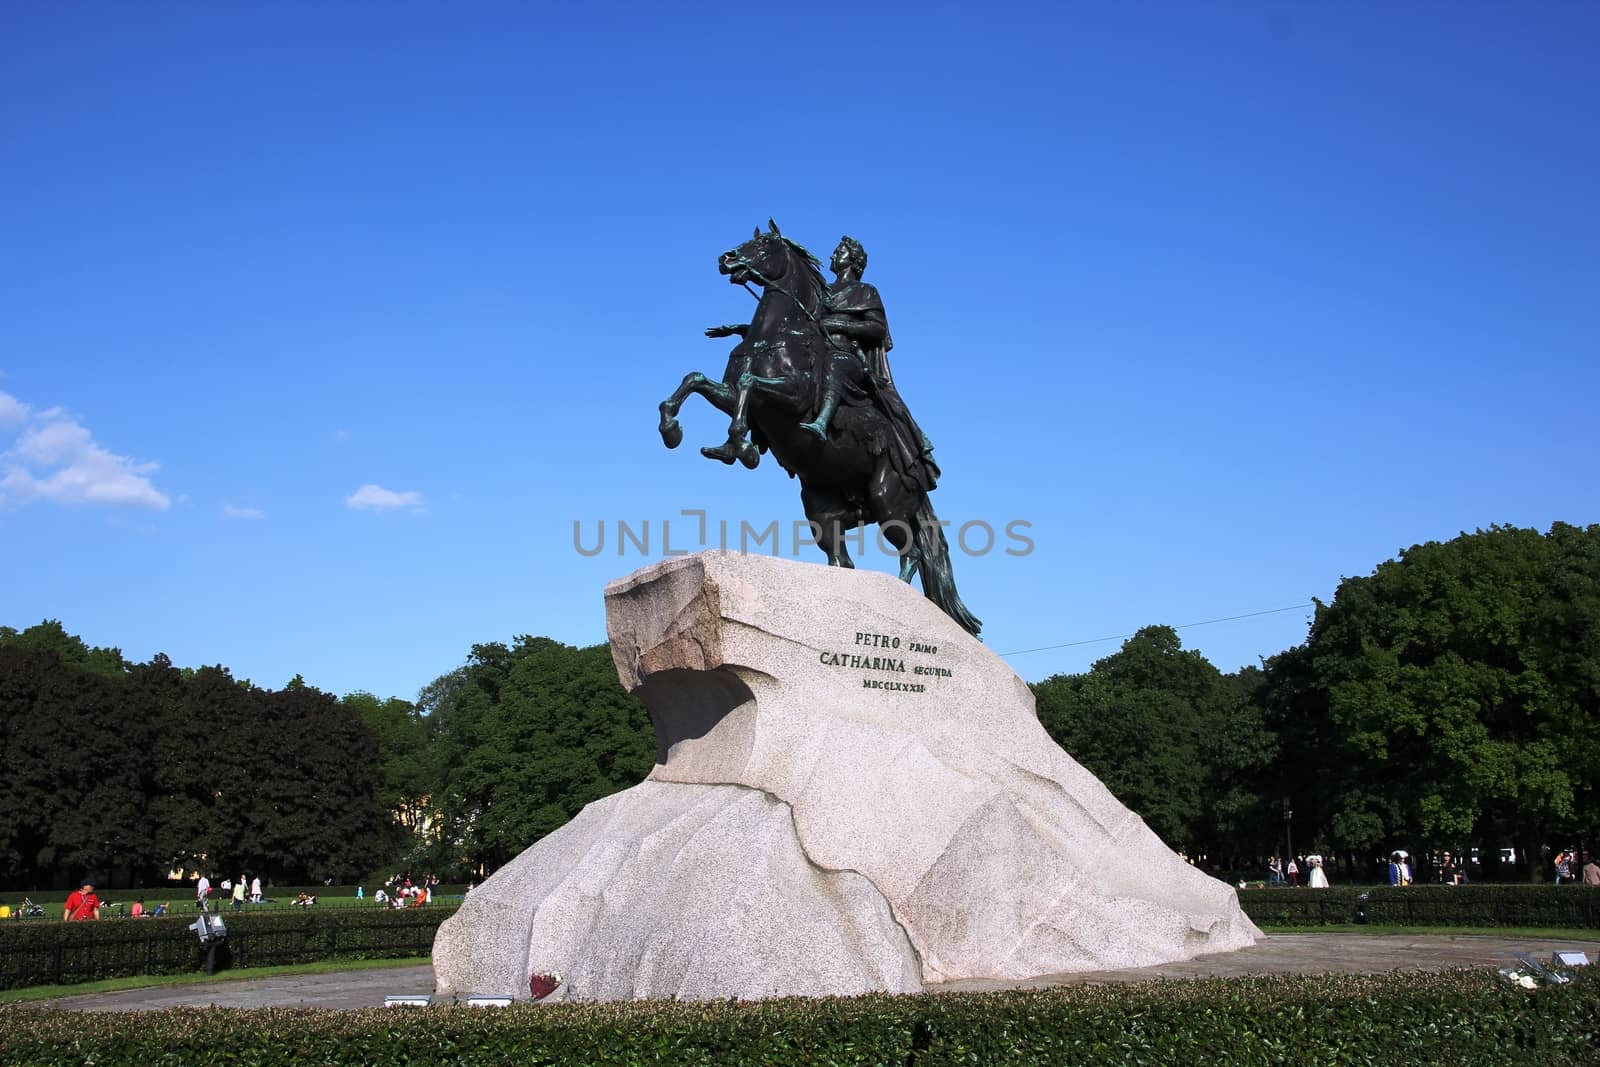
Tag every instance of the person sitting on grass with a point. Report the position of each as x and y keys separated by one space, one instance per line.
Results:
x=304 y=901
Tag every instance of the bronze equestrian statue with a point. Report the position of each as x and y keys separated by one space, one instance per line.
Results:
x=809 y=381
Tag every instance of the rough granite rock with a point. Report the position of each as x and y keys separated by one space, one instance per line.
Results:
x=851 y=794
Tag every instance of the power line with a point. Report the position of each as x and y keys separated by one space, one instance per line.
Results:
x=1182 y=626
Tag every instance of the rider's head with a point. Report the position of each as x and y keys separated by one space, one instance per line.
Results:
x=850 y=254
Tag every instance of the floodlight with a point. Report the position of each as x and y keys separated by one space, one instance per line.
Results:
x=210 y=928
x=408 y=1001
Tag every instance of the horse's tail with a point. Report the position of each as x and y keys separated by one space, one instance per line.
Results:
x=938 y=579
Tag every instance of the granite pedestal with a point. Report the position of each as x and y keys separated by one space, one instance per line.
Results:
x=851 y=794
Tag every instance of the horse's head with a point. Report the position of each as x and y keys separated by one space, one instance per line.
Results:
x=762 y=259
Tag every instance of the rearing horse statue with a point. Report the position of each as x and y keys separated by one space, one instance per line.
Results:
x=770 y=390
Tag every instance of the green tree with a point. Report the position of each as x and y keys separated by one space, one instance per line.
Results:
x=74 y=765
x=526 y=736
x=405 y=767
x=50 y=636
x=1170 y=736
x=198 y=755
x=124 y=771
x=313 y=789
x=1454 y=691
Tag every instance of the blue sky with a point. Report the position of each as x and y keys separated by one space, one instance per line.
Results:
x=321 y=325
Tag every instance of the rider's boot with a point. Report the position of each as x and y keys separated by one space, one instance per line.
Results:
x=737 y=448
x=830 y=400
x=727 y=452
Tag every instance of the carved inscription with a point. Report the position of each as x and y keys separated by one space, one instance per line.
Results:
x=882 y=655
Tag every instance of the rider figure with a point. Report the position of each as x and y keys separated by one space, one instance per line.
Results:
x=859 y=331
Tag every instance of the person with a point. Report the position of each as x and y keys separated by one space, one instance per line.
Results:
x=361 y=892
x=1405 y=867
x=858 y=331
x=82 y=904
x=1318 y=878
x=238 y=894
x=1394 y=868
x=1274 y=871
x=255 y=890
x=1449 y=871
x=161 y=909
x=1563 y=867
x=1591 y=872
x=137 y=911
x=1294 y=872
x=380 y=897
x=202 y=891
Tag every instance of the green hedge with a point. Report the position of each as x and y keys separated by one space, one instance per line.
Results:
x=60 y=953
x=1570 y=906
x=1453 y=1018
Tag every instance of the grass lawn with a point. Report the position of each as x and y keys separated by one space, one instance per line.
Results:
x=111 y=985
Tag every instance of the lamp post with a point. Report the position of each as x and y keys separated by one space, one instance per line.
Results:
x=1288 y=835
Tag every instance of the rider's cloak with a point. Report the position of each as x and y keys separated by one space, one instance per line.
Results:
x=910 y=451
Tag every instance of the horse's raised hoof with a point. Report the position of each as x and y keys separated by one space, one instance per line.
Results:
x=722 y=452
x=671 y=433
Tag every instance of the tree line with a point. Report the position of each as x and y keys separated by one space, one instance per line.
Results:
x=1449 y=699
x=125 y=771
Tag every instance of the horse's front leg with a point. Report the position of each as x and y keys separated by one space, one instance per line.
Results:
x=738 y=445
x=718 y=394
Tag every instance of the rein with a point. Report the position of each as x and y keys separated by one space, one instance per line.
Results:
x=772 y=283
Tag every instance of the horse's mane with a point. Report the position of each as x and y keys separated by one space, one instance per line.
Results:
x=811 y=264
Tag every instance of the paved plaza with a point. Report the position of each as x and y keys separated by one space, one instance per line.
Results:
x=1275 y=954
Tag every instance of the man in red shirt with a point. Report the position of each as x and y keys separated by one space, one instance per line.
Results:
x=82 y=904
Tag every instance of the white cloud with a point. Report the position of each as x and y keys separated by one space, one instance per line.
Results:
x=13 y=412
x=376 y=498
x=231 y=512
x=58 y=459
